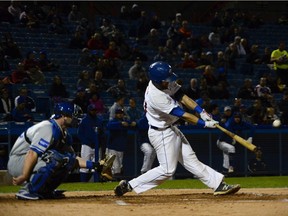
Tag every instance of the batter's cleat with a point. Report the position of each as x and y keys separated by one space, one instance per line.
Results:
x=24 y=194
x=225 y=189
x=106 y=164
x=122 y=188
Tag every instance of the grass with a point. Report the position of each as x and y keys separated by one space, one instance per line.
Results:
x=245 y=182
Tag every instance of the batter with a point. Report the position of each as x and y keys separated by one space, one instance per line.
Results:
x=163 y=109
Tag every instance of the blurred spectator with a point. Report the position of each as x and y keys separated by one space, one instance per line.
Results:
x=230 y=55
x=257 y=112
x=29 y=101
x=253 y=57
x=245 y=44
x=6 y=104
x=246 y=91
x=185 y=30
x=84 y=80
x=142 y=84
x=172 y=33
x=270 y=116
x=81 y=99
x=56 y=27
x=108 y=67
x=28 y=19
x=118 y=140
x=98 y=103
x=182 y=47
x=133 y=111
x=4 y=64
x=155 y=22
x=74 y=15
x=243 y=112
x=91 y=90
x=283 y=108
x=31 y=65
x=87 y=59
x=208 y=74
x=137 y=53
x=143 y=25
x=262 y=88
x=214 y=38
x=279 y=57
x=135 y=12
x=239 y=46
x=188 y=61
x=124 y=13
x=193 y=90
x=118 y=104
x=20 y=113
x=57 y=90
x=220 y=91
x=119 y=89
x=101 y=84
x=107 y=29
x=161 y=55
x=226 y=115
x=266 y=57
x=15 y=10
x=236 y=105
x=45 y=63
x=153 y=39
x=96 y=42
x=84 y=28
x=10 y=47
x=77 y=41
x=112 y=51
x=19 y=75
x=136 y=70
x=214 y=112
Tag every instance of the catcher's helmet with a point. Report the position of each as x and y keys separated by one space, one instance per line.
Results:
x=161 y=71
x=66 y=109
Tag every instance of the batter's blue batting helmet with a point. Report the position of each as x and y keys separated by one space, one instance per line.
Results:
x=66 y=109
x=161 y=71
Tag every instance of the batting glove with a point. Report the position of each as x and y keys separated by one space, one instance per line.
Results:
x=205 y=116
x=250 y=140
x=211 y=124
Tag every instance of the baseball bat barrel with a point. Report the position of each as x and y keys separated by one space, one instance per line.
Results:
x=238 y=139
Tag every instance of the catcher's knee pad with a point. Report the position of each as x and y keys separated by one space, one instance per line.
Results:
x=50 y=176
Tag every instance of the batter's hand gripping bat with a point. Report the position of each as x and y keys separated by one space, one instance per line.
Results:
x=239 y=139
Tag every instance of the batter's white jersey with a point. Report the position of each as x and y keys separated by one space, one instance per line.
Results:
x=158 y=105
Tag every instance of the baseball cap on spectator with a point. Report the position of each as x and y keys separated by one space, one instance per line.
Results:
x=119 y=111
x=242 y=106
x=209 y=53
x=21 y=100
x=178 y=14
x=227 y=108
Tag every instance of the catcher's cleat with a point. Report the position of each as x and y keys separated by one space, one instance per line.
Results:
x=122 y=188
x=106 y=164
x=24 y=194
x=225 y=189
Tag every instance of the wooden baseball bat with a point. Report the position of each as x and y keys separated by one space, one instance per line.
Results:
x=239 y=139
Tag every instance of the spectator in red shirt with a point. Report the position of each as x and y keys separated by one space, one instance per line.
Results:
x=19 y=75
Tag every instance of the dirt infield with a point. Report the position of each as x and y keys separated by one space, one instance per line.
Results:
x=264 y=202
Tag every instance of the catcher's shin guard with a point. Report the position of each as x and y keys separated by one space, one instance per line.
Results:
x=49 y=177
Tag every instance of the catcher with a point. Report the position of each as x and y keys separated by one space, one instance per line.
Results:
x=42 y=156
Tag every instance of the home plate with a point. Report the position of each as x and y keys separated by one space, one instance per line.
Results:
x=121 y=202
